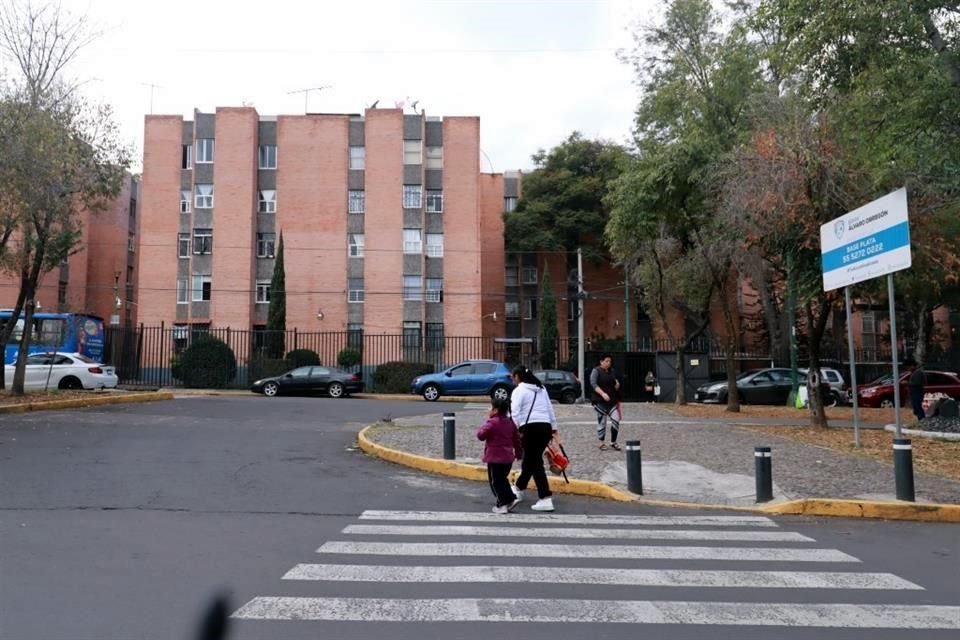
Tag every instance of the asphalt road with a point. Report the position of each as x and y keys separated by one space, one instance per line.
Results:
x=122 y=522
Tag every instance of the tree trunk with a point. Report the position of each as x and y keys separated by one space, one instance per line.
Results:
x=923 y=335
x=21 y=369
x=816 y=327
x=733 y=346
x=7 y=330
x=681 y=376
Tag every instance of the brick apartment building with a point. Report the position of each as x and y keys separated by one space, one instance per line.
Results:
x=102 y=270
x=388 y=225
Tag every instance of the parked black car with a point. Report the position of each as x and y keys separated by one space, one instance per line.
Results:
x=561 y=385
x=757 y=386
x=336 y=383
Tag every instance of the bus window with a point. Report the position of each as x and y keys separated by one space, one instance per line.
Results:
x=49 y=331
x=17 y=333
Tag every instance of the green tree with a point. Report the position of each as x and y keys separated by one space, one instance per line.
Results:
x=61 y=155
x=562 y=206
x=548 y=323
x=277 y=311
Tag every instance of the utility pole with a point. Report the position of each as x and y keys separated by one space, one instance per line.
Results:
x=580 y=350
x=115 y=319
x=626 y=304
x=792 y=328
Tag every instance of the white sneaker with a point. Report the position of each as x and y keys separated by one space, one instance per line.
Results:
x=513 y=505
x=544 y=504
x=517 y=492
x=501 y=510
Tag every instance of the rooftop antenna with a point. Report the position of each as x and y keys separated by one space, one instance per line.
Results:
x=152 y=88
x=306 y=94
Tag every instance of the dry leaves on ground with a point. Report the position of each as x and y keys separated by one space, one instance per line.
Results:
x=877 y=416
x=931 y=456
x=7 y=398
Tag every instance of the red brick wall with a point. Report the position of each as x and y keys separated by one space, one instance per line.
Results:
x=383 y=222
x=462 y=309
x=156 y=269
x=104 y=255
x=234 y=217
x=312 y=214
x=492 y=256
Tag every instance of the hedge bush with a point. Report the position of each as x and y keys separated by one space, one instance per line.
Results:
x=303 y=358
x=395 y=377
x=268 y=367
x=208 y=363
x=348 y=357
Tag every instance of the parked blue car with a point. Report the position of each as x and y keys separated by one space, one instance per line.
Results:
x=468 y=378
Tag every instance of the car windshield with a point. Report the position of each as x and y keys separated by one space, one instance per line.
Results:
x=886 y=378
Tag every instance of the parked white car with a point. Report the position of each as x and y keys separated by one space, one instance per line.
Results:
x=59 y=370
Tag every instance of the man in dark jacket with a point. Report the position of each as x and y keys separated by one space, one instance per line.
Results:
x=918 y=379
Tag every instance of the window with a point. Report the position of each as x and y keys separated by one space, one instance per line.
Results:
x=412 y=288
x=355 y=335
x=412 y=196
x=358 y=157
x=435 y=245
x=204 y=150
x=267 y=201
x=511 y=310
x=268 y=156
x=184 y=202
x=356 y=201
x=529 y=275
x=411 y=335
x=434 y=290
x=529 y=309
x=204 y=196
x=129 y=284
x=301 y=372
x=182 y=297
x=186 y=156
x=412 y=152
x=263 y=292
x=509 y=204
x=202 y=242
x=266 y=245
x=510 y=277
x=200 y=291
x=355 y=290
x=411 y=241
x=131 y=242
x=484 y=368
x=434 y=158
x=62 y=293
x=355 y=245
x=183 y=245
x=434 y=335
x=434 y=201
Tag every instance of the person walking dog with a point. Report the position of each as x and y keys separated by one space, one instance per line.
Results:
x=532 y=411
x=501 y=446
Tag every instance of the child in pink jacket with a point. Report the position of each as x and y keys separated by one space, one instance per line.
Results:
x=502 y=446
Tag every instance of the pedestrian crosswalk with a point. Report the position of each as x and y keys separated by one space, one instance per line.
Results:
x=531 y=556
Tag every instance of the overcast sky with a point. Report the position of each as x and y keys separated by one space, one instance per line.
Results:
x=532 y=70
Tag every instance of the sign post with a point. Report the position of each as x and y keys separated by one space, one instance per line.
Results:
x=867 y=243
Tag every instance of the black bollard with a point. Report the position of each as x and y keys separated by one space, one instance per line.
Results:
x=634 y=473
x=449 y=436
x=763 y=466
x=903 y=469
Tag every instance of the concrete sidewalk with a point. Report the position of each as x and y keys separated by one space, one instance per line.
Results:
x=685 y=459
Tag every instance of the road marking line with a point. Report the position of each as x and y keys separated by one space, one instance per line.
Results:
x=547 y=518
x=581 y=551
x=564 y=532
x=572 y=575
x=603 y=611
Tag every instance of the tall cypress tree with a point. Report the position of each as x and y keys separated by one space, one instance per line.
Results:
x=548 y=323
x=277 y=312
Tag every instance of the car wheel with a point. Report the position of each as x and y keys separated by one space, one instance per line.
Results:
x=271 y=389
x=500 y=393
x=335 y=390
x=431 y=392
x=568 y=397
x=886 y=403
x=70 y=382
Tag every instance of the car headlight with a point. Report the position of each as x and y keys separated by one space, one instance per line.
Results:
x=416 y=381
x=258 y=382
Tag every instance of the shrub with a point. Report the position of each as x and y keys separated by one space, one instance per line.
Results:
x=303 y=358
x=348 y=357
x=176 y=369
x=268 y=367
x=208 y=363
x=395 y=377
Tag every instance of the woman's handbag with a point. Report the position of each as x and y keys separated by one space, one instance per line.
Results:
x=557 y=459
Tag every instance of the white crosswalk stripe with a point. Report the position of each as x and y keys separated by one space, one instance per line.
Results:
x=753 y=552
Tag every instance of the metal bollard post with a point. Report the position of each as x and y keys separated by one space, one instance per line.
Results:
x=634 y=474
x=763 y=470
x=449 y=436
x=903 y=469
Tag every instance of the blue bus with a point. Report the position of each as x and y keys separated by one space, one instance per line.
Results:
x=69 y=332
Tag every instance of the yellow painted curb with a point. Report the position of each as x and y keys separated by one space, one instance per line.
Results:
x=478 y=473
x=85 y=402
x=803 y=507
